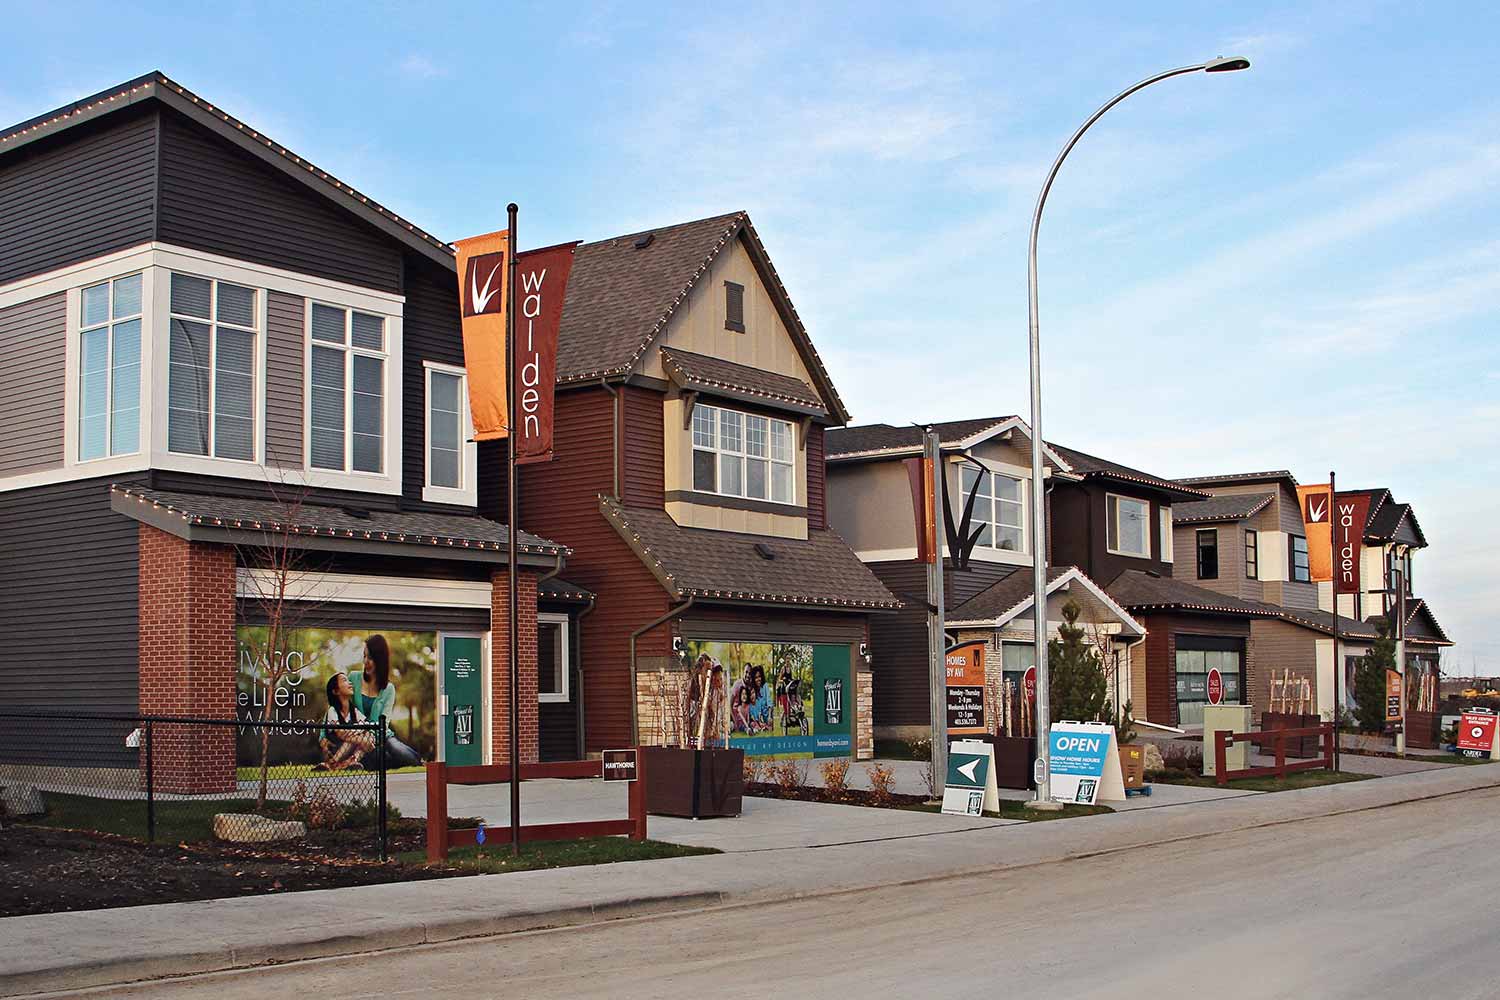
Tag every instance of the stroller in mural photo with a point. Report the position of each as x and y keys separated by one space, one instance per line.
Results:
x=794 y=716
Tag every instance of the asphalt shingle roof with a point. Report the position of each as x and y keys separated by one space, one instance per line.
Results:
x=1005 y=594
x=1135 y=590
x=396 y=527
x=702 y=371
x=722 y=565
x=1230 y=507
x=1092 y=465
x=1276 y=475
x=885 y=437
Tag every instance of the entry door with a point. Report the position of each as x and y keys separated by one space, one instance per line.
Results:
x=462 y=700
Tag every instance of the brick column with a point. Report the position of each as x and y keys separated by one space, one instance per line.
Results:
x=500 y=665
x=187 y=658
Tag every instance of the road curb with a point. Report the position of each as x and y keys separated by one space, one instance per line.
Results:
x=81 y=974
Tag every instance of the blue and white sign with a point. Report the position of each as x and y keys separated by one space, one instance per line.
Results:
x=1085 y=763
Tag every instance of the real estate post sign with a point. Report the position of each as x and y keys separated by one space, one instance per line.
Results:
x=785 y=699
x=1085 y=763
x=963 y=669
x=1476 y=734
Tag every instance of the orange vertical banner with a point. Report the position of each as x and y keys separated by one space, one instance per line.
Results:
x=1317 y=522
x=920 y=472
x=483 y=292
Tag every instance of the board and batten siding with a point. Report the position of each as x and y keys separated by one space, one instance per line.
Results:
x=68 y=600
x=221 y=199
x=33 y=348
x=286 y=320
x=82 y=195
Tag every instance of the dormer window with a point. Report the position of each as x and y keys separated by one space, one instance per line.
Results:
x=734 y=307
x=743 y=455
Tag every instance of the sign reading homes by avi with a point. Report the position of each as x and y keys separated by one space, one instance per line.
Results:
x=963 y=668
x=785 y=699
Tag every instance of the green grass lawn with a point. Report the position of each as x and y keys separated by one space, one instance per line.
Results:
x=176 y=822
x=287 y=772
x=1297 y=779
x=497 y=859
x=1010 y=809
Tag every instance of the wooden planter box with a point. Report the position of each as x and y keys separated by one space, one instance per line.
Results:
x=1422 y=730
x=694 y=784
x=1306 y=746
x=1014 y=756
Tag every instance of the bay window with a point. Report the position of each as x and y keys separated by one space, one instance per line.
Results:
x=109 y=369
x=743 y=455
x=1127 y=526
x=211 y=368
x=346 y=375
x=999 y=507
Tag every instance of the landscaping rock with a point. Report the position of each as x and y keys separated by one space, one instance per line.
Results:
x=248 y=828
x=1153 y=759
x=21 y=800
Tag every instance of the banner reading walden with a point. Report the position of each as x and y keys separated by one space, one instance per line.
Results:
x=300 y=700
x=785 y=699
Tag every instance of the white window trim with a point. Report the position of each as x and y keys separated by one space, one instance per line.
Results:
x=258 y=375
x=1024 y=481
x=156 y=259
x=351 y=478
x=716 y=450
x=1168 y=542
x=565 y=695
x=1145 y=523
x=467 y=493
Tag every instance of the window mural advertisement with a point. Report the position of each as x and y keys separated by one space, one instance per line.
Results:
x=784 y=699
x=321 y=677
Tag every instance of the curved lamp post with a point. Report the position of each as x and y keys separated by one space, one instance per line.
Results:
x=1038 y=492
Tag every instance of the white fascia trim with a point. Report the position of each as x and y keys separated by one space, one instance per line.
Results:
x=194 y=261
x=909 y=553
x=1014 y=423
x=467 y=495
x=1072 y=576
x=355 y=588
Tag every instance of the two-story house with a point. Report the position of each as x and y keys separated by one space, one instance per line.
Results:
x=688 y=479
x=214 y=355
x=987 y=588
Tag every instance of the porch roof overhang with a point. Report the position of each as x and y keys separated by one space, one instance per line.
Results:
x=1012 y=597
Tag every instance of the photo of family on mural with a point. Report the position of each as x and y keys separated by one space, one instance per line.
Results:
x=764 y=697
x=332 y=681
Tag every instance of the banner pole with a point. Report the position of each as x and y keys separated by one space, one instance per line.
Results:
x=1333 y=581
x=514 y=532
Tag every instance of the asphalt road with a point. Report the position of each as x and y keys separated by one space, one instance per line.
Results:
x=1391 y=902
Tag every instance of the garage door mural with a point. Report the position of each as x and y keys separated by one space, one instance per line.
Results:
x=781 y=699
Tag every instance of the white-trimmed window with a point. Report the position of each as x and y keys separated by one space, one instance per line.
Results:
x=212 y=368
x=743 y=455
x=109 y=369
x=999 y=507
x=346 y=390
x=1127 y=526
x=1166 y=533
x=451 y=461
x=552 y=658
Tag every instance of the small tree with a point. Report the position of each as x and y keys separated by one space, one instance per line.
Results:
x=1077 y=687
x=1369 y=681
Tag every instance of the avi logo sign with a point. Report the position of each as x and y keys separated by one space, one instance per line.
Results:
x=833 y=701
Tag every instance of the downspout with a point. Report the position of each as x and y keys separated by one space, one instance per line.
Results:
x=614 y=440
x=578 y=657
x=635 y=722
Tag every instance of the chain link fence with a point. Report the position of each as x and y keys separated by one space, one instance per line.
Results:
x=184 y=780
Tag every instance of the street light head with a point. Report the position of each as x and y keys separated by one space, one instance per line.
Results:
x=1226 y=64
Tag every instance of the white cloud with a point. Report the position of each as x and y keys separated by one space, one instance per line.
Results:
x=421 y=67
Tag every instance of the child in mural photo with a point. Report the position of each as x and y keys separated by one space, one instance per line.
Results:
x=342 y=747
x=783 y=703
x=742 y=702
x=761 y=716
x=375 y=696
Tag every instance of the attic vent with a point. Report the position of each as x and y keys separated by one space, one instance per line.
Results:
x=359 y=512
x=644 y=241
x=764 y=551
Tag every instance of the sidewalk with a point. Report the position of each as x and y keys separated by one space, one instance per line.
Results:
x=71 y=950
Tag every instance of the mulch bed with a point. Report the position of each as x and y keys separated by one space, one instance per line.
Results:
x=49 y=870
x=848 y=797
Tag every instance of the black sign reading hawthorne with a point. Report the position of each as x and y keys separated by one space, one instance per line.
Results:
x=619 y=765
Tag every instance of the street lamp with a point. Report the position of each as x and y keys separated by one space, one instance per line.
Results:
x=1038 y=493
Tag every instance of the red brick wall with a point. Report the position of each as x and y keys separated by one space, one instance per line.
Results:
x=500 y=665
x=187 y=657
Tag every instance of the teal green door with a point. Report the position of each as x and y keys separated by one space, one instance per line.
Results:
x=463 y=698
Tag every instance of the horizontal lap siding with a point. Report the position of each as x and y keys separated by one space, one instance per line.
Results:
x=643 y=477
x=68 y=599
x=286 y=320
x=432 y=333
x=82 y=195
x=221 y=199
x=33 y=344
x=817 y=477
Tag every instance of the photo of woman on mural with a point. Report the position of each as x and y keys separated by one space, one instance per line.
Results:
x=375 y=696
x=342 y=747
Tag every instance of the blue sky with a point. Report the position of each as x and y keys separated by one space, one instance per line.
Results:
x=1296 y=267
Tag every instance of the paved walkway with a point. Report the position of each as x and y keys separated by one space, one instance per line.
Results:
x=53 y=951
